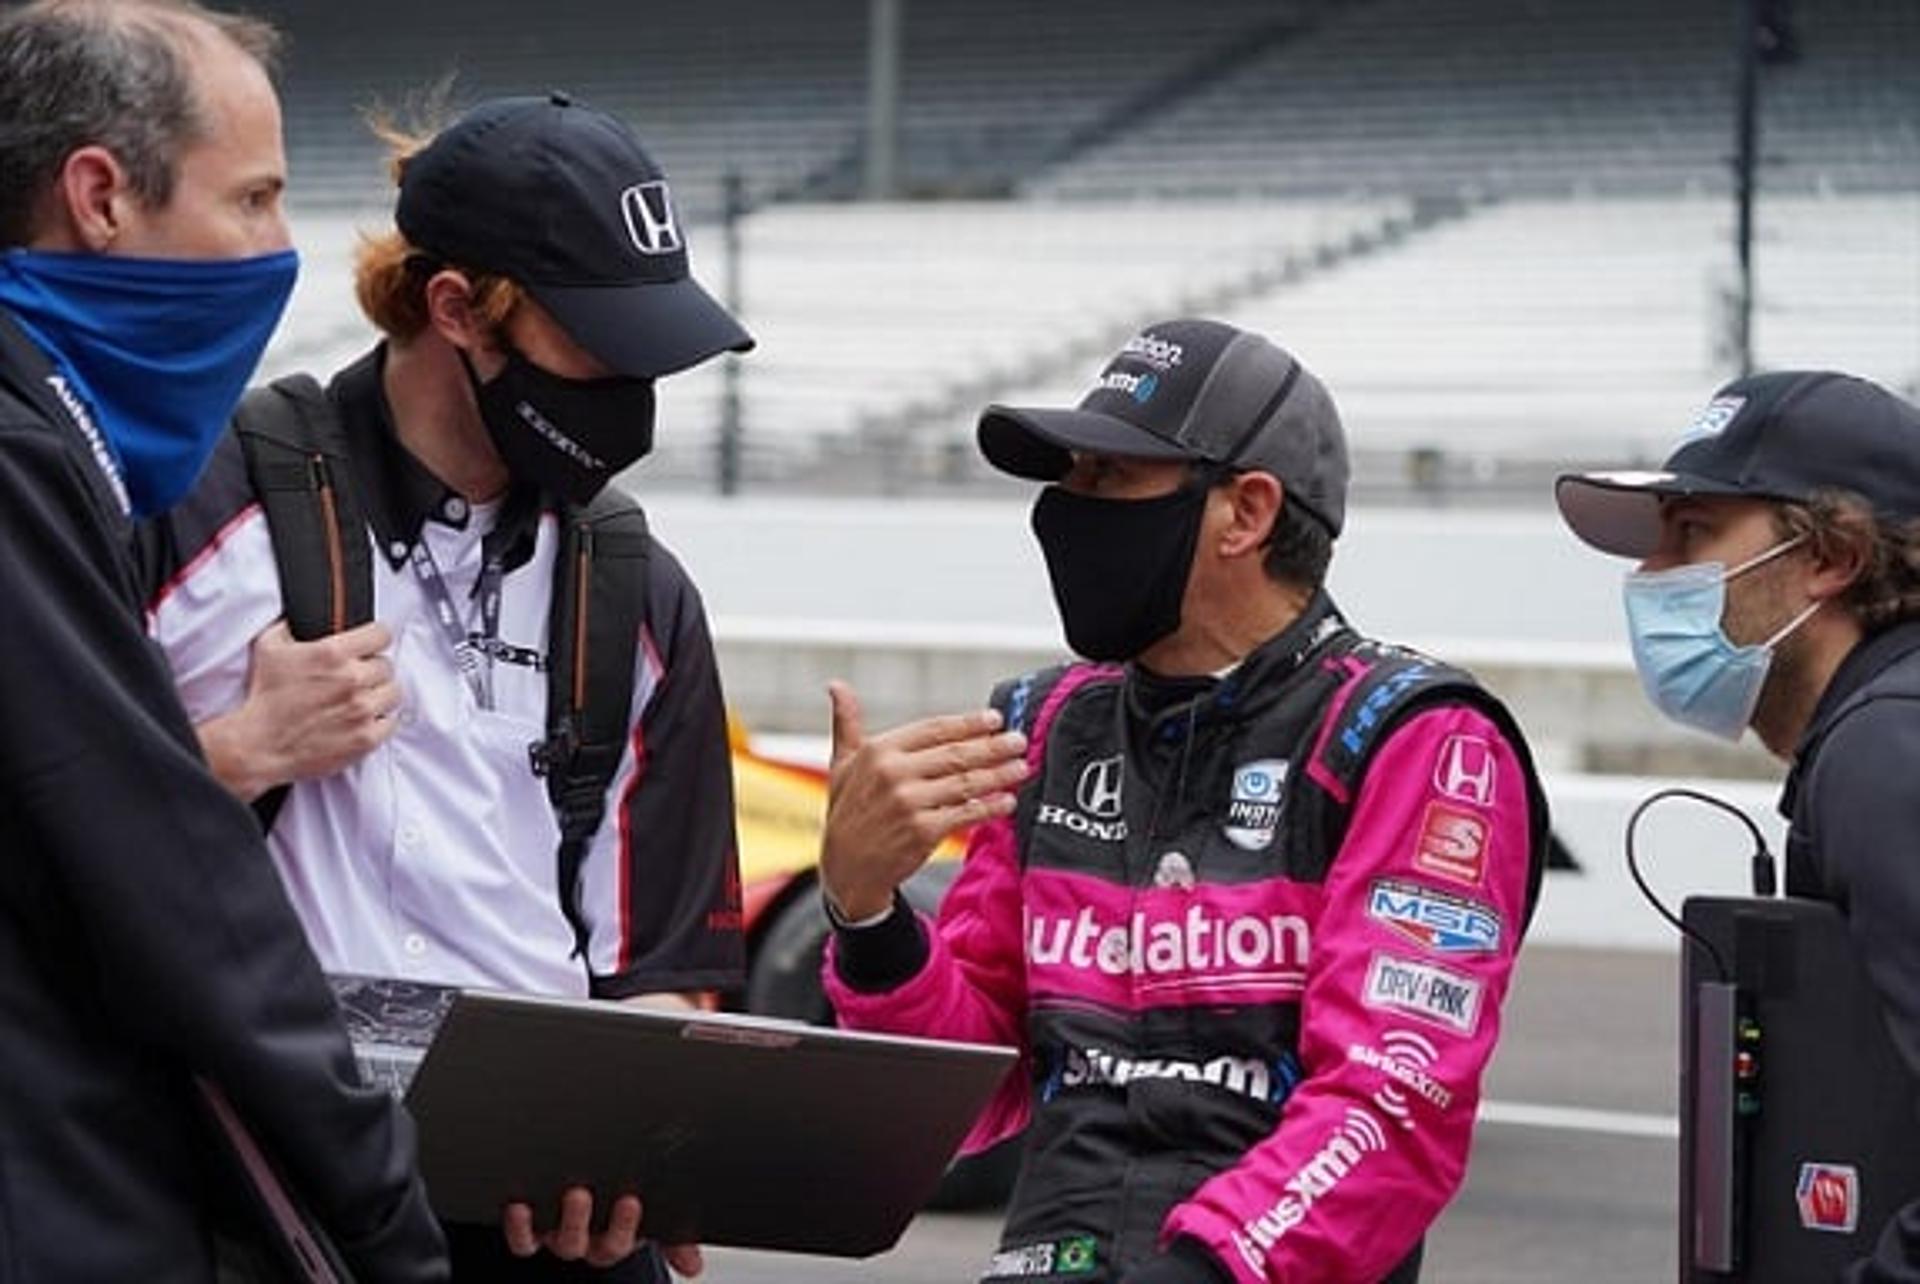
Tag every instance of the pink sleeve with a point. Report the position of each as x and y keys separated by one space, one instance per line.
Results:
x=973 y=987
x=1411 y=958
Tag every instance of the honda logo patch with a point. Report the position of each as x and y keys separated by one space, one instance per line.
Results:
x=651 y=222
x=1464 y=771
x=1099 y=791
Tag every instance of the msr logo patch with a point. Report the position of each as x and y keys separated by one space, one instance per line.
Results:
x=1443 y=924
x=1452 y=844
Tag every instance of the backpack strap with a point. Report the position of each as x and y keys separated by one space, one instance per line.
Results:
x=1378 y=687
x=593 y=638
x=295 y=448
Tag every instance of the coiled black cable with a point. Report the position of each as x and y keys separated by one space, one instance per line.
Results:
x=1764 y=881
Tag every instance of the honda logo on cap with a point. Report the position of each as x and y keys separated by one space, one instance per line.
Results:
x=1099 y=791
x=651 y=222
x=1464 y=771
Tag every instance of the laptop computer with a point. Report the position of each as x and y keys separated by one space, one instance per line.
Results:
x=733 y=1130
x=1798 y=1131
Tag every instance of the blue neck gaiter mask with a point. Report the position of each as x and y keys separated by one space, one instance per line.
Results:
x=159 y=350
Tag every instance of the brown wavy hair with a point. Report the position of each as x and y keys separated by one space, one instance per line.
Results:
x=1887 y=590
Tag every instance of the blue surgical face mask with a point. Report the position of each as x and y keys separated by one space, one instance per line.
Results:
x=157 y=351
x=1691 y=670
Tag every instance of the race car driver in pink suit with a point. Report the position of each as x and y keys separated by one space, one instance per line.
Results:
x=1245 y=889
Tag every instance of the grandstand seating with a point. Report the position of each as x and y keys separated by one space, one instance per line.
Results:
x=1524 y=97
x=1529 y=332
x=1326 y=96
x=862 y=310
x=1203 y=157
x=990 y=88
x=1535 y=333
x=774 y=91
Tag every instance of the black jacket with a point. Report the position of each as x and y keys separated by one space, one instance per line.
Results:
x=144 y=935
x=1854 y=839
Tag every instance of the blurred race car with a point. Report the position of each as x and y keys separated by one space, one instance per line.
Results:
x=780 y=806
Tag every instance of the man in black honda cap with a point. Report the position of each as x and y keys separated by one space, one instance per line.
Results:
x=1246 y=888
x=436 y=812
x=1779 y=589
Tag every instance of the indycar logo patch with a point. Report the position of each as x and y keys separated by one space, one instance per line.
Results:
x=1253 y=813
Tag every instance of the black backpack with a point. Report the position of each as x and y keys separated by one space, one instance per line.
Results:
x=295 y=448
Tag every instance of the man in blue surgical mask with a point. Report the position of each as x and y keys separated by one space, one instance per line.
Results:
x=151 y=967
x=1779 y=589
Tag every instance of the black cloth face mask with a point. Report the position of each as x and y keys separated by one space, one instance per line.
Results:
x=566 y=436
x=1119 y=566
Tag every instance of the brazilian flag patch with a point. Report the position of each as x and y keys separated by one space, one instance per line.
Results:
x=1076 y=1256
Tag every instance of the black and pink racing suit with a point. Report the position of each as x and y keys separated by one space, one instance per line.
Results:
x=1251 y=935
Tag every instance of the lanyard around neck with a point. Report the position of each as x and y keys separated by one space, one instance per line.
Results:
x=472 y=650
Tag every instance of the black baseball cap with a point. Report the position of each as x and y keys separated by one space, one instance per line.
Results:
x=1194 y=390
x=1779 y=436
x=561 y=200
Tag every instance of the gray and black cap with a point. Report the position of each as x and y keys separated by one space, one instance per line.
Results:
x=1195 y=390
x=1781 y=436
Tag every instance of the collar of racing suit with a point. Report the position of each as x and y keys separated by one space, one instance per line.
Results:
x=1162 y=713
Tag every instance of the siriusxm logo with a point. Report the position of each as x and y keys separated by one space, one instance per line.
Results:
x=1444 y=924
x=1407 y=1058
x=1358 y=1136
x=1243 y=1076
x=1140 y=387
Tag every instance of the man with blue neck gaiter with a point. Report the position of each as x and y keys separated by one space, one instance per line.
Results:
x=1779 y=589
x=152 y=972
